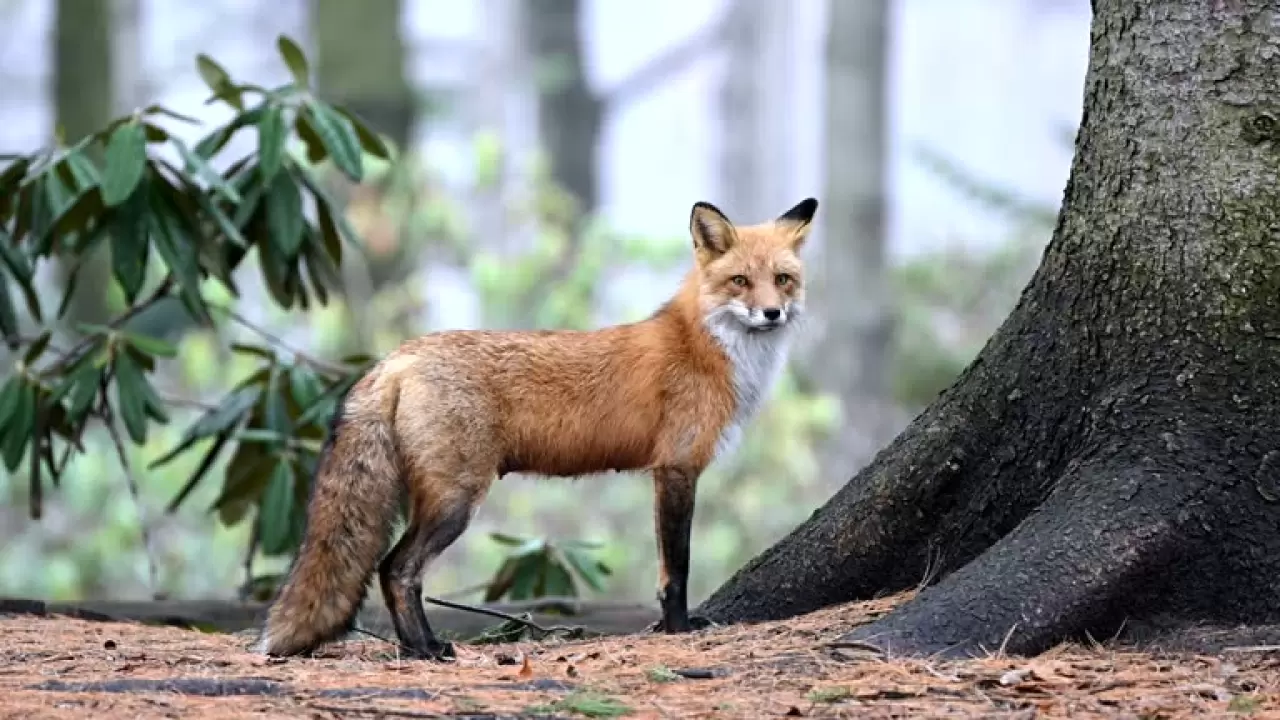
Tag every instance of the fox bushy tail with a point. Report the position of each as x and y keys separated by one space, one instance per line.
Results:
x=355 y=500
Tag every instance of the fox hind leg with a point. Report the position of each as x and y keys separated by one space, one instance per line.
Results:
x=433 y=527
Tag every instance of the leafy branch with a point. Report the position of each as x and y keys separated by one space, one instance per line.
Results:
x=179 y=221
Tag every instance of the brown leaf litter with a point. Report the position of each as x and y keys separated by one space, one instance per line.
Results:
x=57 y=667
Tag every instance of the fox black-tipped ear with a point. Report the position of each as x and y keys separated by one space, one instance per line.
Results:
x=710 y=229
x=798 y=218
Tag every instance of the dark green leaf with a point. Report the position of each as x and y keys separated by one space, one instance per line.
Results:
x=210 y=144
x=131 y=390
x=254 y=350
x=162 y=110
x=329 y=232
x=271 y=137
x=87 y=381
x=369 y=140
x=220 y=420
x=339 y=139
x=8 y=316
x=306 y=130
x=295 y=60
x=125 y=161
x=201 y=470
x=9 y=396
x=155 y=133
x=19 y=425
x=277 y=416
x=528 y=576
x=274 y=516
x=130 y=243
x=37 y=348
x=558 y=582
x=178 y=252
x=83 y=170
x=9 y=181
x=284 y=214
x=247 y=475
x=15 y=260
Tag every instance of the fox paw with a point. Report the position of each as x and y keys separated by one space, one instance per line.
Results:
x=696 y=622
x=442 y=652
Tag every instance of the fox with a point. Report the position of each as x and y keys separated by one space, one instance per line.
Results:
x=425 y=432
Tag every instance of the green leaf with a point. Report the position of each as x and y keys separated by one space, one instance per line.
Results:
x=9 y=182
x=271 y=137
x=156 y=109
x=558 y=582
x=284 y=215
x=150 y=345
x=509 y=540
x=304 y=386
x=131 y=392
x=196 y=164
x=306 y=129
x=369 y=140
x=178 y=252
x=85 y=384
x=247 y=475
x=329 y=231
x=201 y=470
x=295 y=60
x=212 y=73
x=131 y=244
x=220 y=420
x=274 y=516
x=19 y=424
x=277 y=415
x=77 y=216
x=585 y=567
x=8 y=316
x=37 y=348
x=339 y=139
x=124 y=162
x=9 y=396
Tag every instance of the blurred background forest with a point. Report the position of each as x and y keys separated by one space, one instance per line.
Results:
x=548 y=152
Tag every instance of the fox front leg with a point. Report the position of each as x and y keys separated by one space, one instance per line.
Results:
x=674 y=493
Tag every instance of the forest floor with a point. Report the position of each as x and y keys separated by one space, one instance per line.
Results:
x=59 y=667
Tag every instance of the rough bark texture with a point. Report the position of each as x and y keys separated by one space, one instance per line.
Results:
x=1112 y=457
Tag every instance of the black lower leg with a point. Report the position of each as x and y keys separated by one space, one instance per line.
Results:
x=674 y=504
x=400 y=575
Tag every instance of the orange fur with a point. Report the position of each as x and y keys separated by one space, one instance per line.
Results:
x=445 y=414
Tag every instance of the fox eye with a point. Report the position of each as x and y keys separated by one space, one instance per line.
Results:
x=739 y=280
x=782 y=278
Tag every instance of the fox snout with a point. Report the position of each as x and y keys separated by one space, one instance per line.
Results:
x=764 y=317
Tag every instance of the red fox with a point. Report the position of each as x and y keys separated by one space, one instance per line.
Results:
x=436 y=421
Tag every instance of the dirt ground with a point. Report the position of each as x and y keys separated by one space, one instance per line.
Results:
x=57 y=667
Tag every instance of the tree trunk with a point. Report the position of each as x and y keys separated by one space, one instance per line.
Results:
x=851 y=360
x=83 y=99
x=360 y=63
x=568 y=110
x=1112 y=457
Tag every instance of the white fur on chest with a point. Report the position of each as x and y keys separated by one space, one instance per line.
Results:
x=757 y=361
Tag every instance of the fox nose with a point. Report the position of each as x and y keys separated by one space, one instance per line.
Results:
x=772 y=313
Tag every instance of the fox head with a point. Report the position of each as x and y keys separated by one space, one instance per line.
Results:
x=751 y=273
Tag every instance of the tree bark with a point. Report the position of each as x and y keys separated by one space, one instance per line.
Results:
x=83 y=99
x=1111 y=459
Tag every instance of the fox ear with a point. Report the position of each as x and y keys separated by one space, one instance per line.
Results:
x=710 y=229
x=797 y=220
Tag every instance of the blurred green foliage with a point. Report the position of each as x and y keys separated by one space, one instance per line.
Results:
x=330 y=238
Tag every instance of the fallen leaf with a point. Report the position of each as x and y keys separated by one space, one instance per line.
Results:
x=526 y=669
